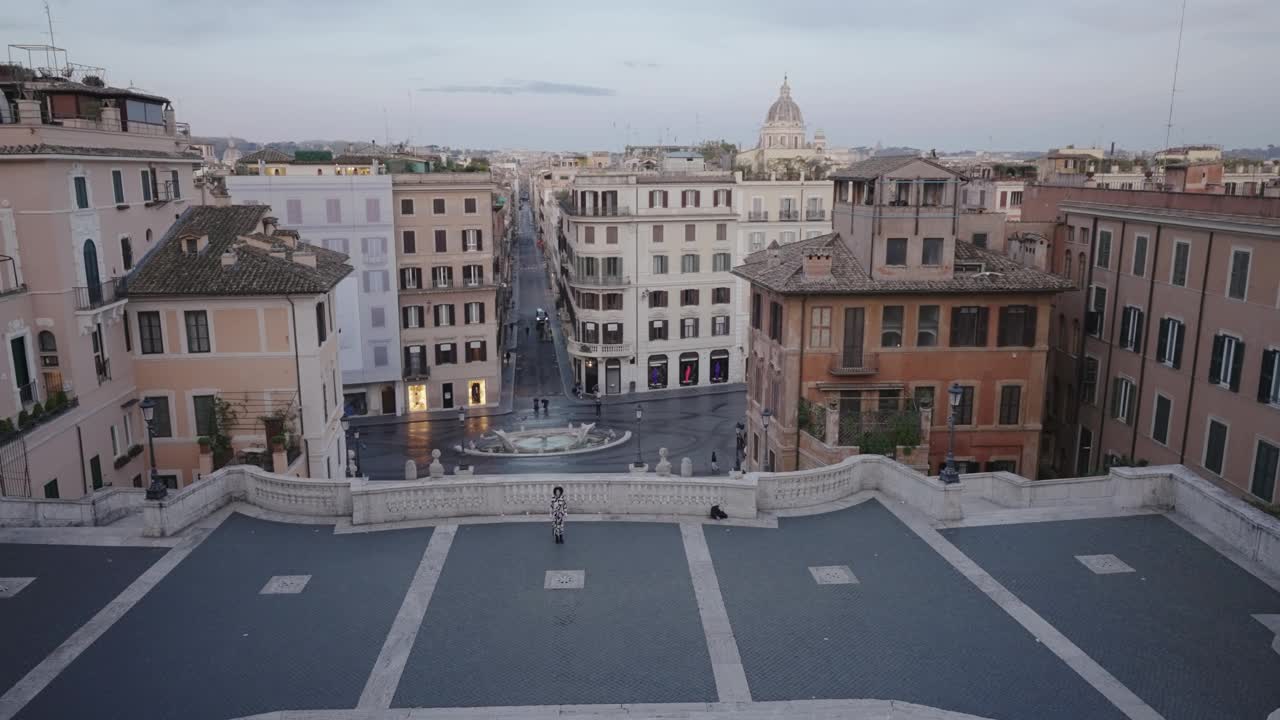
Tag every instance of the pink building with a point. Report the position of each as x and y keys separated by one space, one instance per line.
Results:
x=90 y=177
x=1168 y=351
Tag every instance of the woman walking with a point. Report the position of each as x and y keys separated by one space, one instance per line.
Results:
x=559 y=509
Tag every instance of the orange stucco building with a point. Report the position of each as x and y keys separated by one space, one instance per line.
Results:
x=864 y=330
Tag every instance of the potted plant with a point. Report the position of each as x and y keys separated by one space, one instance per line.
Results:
x=278 y=443
x=24 y=420
x=37 y=412
x=121 y=461
x=136 y=450
x=206 y=445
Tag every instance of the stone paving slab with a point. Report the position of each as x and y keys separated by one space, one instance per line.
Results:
x=912 y=627
x=205 y=644
x=71 y=584
x=494 y=636
x=1179 y=631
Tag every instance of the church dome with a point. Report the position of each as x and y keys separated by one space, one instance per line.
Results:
x=784 y=109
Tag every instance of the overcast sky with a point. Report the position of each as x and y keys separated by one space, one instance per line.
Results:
x=1003 y=74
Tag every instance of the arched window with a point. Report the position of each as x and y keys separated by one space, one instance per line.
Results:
x=1062 y=331
x=92 y=283
x=1080 y=280
x=126 y=252
x=148 y=236
x=719 y=366
x=1066 y=265
x=48 y=343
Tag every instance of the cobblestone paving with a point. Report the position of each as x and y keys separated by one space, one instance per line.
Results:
x=1178 y=631
x=71 y=584
x=205 y=644
x=911 y=629
x=493 y=635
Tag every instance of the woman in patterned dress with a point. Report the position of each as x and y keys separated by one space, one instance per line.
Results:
x=559 y=509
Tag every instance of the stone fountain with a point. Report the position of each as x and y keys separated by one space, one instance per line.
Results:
x=546 y=441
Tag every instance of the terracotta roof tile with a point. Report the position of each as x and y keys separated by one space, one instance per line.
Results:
x=848 y=277
x=167 y=270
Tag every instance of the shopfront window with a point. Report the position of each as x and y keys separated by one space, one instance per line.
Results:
x=719 y=366
x=657 y=372
x=475 y=392
x=417 y=398
x=689 y=368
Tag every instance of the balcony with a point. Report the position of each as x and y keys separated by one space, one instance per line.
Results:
x=593 y=211
x=757 y=216
x=584 y=349
x=812 y=214
x=862 y=363
x=598 y=280
x=417 y=371
x=786 y=215
x=103 y=367
x=104 y=293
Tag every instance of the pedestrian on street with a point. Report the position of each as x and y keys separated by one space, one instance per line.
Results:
x=559 y=511
x=526 y=332
x=535 y=407
x=715 y=466
x=544 y=406
x=597 y=405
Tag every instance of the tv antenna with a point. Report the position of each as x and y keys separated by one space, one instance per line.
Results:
x=1168 y=128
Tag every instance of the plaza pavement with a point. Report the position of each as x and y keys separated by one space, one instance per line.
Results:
x=864 y=610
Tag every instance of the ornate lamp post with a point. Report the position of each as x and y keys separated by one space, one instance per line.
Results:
x=639 y=417
x=949 y=475
x=764 y=420
x=156 y=490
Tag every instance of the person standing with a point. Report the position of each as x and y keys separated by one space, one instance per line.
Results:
x=715 y=466
x=535 y=407
x=559 y=510
x=544 y=406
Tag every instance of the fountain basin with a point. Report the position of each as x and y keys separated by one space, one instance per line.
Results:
x=545 y=442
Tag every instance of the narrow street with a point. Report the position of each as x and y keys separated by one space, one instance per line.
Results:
x=693 y=427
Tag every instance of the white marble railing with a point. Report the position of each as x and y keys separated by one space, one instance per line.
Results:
x=805 y=488
x=531 y=494
x=1013 y=491
x=101 y=508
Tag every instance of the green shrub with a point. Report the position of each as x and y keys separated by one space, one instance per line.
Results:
x=24 y=419
x=6 y=425
x=37 y=411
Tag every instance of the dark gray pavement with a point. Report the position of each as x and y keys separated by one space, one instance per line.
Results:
x=71 y=585
x=494 y=636
x=205 y=644
x=912 y=629
x=1178 y=631
x=687 y=424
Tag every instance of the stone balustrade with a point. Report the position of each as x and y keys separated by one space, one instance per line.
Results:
x=100 y=508
x=531 y=494
x=805 y=488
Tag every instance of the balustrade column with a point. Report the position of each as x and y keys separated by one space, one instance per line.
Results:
x=833 y=423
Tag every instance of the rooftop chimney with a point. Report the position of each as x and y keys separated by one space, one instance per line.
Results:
x=306 y=258
x=773 y=255
x=817 y=264
x=229 y=259
x=269 y=224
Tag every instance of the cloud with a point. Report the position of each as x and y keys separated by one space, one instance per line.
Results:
x=641 y=64
x=533 y=87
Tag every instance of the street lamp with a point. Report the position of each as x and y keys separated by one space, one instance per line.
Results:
x=765 y=421
x=949 y=475
x=156 y=490
x=639 y=417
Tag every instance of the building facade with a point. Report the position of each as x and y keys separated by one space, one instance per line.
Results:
x=233 y=334
x=1167 y=348
x=349 y=212
x=646 y=290
x=856 y=336
x=447 y=277
x=90 y=178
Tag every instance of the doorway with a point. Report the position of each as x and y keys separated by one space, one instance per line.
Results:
x=592 y=377
x=93 y=284
x=851 y=356
x=21 y=372
x=388 y=400
x=446 y=395
x=613 y=376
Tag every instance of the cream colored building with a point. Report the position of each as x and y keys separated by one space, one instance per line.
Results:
x=232 y=331
x=783 y=137
x=644 y=271
x=450 y=322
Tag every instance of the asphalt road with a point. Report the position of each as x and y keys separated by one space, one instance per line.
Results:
x=692 y=426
